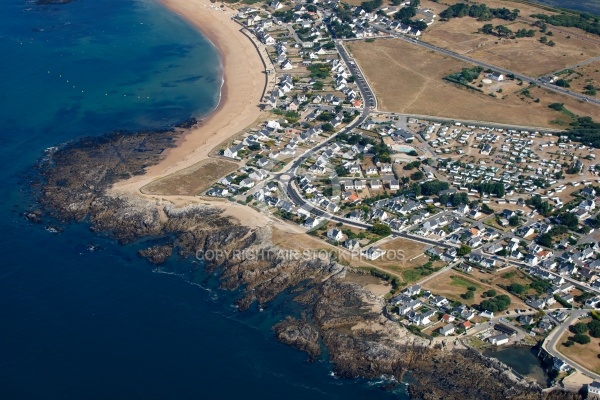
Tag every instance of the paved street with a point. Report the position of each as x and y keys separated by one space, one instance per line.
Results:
x=554 y=337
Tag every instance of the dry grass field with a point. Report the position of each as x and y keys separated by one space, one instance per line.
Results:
x=586 y=75
x=410 y=254
x=191 y=181
x=524 y=55
x=452 y=284
x=584 y=354
x=409 y=79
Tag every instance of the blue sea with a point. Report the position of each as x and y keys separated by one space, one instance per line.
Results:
x=103 y=324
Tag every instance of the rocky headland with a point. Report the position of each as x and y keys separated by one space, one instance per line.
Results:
x=341 y=316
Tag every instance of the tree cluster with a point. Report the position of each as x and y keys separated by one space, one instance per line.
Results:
x=370 y=6
x=496 y=188
x=479 y=11
x=495 y=304
x=584 y=21
x=433 y=187
x=586 y=131
x=456 y=199
x=542 y=206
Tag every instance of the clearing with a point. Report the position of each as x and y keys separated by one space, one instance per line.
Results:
x=409 y=79
x=524 y=55
x=451 y=284
x=192 y=180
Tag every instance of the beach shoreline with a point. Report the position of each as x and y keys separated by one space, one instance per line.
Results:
x=243 y=82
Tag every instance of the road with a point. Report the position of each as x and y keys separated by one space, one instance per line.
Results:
x=504 y=71
x=553 y=338
x=580 y=64
x=484 y=124
x=363 y=86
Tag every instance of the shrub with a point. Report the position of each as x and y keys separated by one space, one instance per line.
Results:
x=516 y=288
x=468 y=296
x=579 y=328
x=581 y=339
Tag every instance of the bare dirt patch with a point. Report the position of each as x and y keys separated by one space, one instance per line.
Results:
x=409 y=79
x=192 y=180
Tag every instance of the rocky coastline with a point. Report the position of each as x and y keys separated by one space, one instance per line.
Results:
x=340 y=316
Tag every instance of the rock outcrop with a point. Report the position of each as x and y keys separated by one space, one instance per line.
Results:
x=341 y=316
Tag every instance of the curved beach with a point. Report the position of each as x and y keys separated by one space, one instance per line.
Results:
x=243 y=84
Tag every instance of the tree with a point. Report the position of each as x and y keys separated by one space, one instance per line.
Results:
x=545 y=239
x=496 y=304
x=594 y=328
x=544 y=39
x=579 y=328
x=488 y=29
x=516 y=288
x=486 y=209
x=417 y=176
x=562 y=83
x=569 y=220
x=490 y=293
x=514 y=220
x=581 y=339
x=420 y=25
x=433 y=187
x=557 y=106
x=463 y=250
x=503 y=31
x=381 y=229
x=468 y=295
x=327 y=127
x=405 y=13
x=415 y=3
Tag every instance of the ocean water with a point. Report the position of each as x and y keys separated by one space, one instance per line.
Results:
x=522 y=359
x=590 y=6
x=81 y=324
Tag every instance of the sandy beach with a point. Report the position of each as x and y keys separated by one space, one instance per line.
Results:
x=243 y=84
x=244 y=80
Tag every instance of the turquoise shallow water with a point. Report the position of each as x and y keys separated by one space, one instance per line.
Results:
x=80 y=324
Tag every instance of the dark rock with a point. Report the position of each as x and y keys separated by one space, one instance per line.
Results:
x=300 y=335
x=157 y=254
x=342 y=316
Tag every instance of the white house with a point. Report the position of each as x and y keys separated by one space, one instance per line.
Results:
x=498 y=340
x=594 y=389
x=232 y=152
x=496 y=76
x=373 y=253
x=335 y=234
x=447 y=330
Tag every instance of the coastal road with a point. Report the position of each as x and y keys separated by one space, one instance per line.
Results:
x=504 y=71
x=552 y=340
